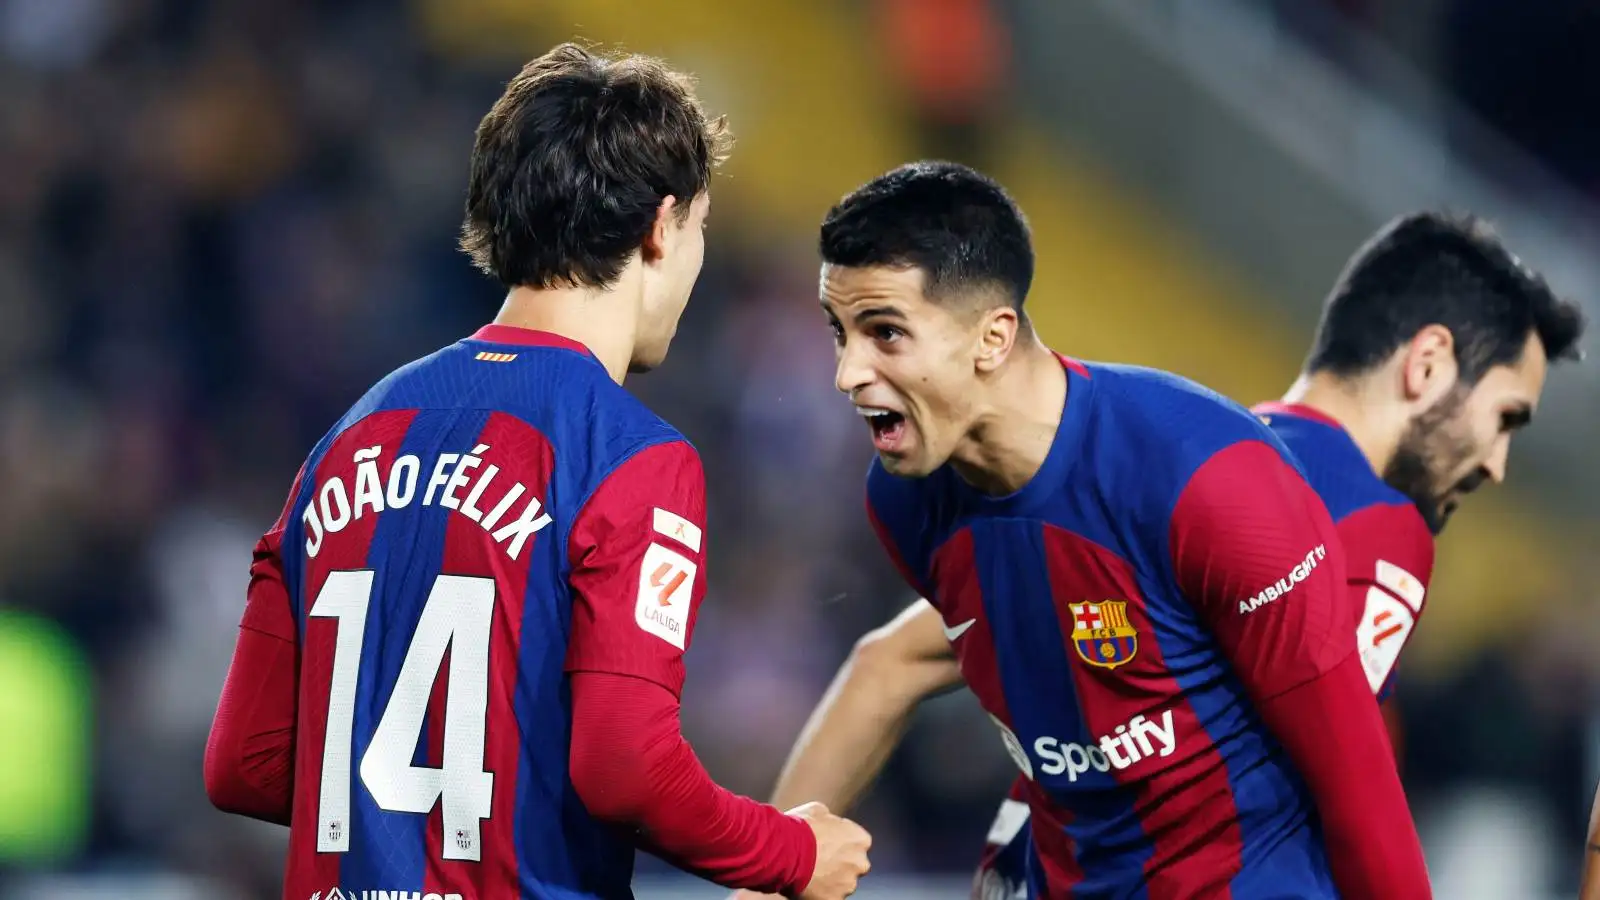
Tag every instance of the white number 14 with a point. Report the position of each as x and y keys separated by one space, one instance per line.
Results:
x=458 y=615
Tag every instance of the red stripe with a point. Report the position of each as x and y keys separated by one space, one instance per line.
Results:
x=1184 y=801
x=527 y=337
x=1074 y=366
x=960 y=598
x=1055 y=849
x=522 y=455
x=308 y=871
x=1299 y=410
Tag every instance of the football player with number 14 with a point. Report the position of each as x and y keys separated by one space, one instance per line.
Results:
x=458 y=670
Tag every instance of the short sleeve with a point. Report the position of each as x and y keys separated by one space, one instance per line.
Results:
x=267 y=606
x=637 y=554
x=1255 y=551
x=1389 y=554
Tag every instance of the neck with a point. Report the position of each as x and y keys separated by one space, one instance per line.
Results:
x=604 y=320
x=1016 y=422
x=1355 y=404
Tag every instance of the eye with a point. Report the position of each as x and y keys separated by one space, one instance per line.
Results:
x=837 y=329
x=1512 y=420
x=887 y=333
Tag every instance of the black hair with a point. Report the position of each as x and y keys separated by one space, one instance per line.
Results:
x=955 y=224
x=1432 y=268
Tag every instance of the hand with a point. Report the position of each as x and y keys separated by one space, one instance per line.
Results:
x=841 y=853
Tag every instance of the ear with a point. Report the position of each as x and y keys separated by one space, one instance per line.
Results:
x=1428 y=368
x=997 y=334
x=655 y=240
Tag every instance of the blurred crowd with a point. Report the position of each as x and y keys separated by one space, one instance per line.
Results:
x=220 y=222
x=1527 y=71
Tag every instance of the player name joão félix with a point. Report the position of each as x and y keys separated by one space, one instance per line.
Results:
x=334 y=506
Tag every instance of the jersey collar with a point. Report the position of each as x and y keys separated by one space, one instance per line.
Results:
x=1298 y=410
x=528 y=337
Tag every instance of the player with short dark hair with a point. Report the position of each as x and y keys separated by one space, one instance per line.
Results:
x=1133 y=574
x=1471 y=319
x=459 y=666
x=1411 y=405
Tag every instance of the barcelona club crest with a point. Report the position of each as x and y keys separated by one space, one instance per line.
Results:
x=1102 y=633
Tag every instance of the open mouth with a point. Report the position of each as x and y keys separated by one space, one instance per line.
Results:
x=888 y=427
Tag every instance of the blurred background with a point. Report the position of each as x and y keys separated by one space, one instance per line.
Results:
x=222 y=220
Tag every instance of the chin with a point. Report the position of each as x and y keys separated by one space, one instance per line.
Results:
x=906 y=466
x=645 y=362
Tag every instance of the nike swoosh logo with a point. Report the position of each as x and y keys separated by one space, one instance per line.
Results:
x=953 y=633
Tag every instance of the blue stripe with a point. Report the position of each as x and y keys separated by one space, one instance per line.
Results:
x=293 y=550
x=388 y=850
x=1036 y=676
x=562 y=851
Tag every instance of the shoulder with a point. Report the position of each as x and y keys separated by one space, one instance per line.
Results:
x=1155 y=430
x=910 y=515
x=1389 y=543
x=1377 y=524
x=1334 y=466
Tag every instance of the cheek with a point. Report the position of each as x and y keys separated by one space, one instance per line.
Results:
x=1470 y=447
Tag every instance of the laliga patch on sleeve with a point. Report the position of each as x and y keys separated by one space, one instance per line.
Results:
x=676 y=527
x=666 y=582
x=1385 y=626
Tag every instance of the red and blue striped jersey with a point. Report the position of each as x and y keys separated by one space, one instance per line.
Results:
x=1389 y=549
x=1119 y=618
x=1389 y=554
x=483 y=522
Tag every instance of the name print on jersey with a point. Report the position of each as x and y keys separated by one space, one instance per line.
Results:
x=333 y=507
x=337 y=894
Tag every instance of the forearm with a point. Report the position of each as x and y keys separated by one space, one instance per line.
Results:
x=1332 y=731
x=631 y=766
x=860 y=720
x=249 y=759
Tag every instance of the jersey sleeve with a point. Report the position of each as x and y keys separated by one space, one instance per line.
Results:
x=249 y=759
x=1255 y=551
x=1389 y=557
x=637 y=554
x=267 y=606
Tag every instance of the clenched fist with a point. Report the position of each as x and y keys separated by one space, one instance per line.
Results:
x=841 y=856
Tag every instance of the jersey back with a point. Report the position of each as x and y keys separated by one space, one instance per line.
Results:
x=427 y=560
x=1121 y=679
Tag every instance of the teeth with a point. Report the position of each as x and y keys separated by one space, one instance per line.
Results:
x=872 y=412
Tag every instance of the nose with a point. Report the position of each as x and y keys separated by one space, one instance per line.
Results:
x=853 y=371
x=1495 y=466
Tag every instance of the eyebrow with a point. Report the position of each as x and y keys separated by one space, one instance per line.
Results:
x=875 y=312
